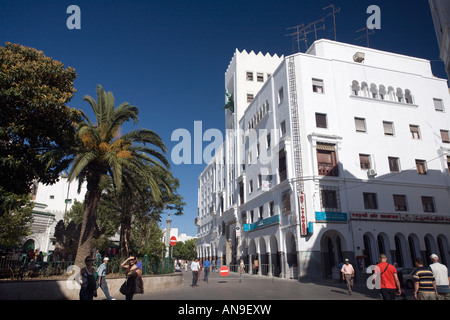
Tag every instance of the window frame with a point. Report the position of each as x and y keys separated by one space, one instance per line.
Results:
x=370 y=204
x=318 y=86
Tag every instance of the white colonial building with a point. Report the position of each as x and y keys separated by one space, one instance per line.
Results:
x=50 y=204
x=340 y=152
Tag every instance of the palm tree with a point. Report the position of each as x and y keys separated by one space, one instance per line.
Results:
x=103 y=151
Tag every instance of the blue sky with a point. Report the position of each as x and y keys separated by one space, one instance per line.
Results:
x=169 y=58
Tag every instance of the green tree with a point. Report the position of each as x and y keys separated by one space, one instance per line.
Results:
x=103 y=151
x=15 y=218
x=185 y=250
x=37 y=129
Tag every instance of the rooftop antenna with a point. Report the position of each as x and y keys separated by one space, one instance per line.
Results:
x=333 y=13
x=302 y=30
x=367 y=35
x=296 y=35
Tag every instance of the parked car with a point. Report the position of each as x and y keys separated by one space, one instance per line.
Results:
x=406 y=277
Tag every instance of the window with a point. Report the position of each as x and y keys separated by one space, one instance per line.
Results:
x=370 y=201
x=444 y=136
x=280 y=95
x=283 y=127
x=268 y=140
x=244 y=217
x=438 y=104
x=261 y=212
x=326 y=160
x=249 y=76
x=250 y=97
x=364 y=161
x=360 y=124
x=428 y=204
x=394 y=165
x=241 y=193
x=250 y=186
x=408 y=97
x=321 y=120
x=52 y=197
x=329 y=200
x=414 y=131
x=259 y=180
x=251 y=216
x=260 y=77
x=286 y=201
x=317 y=85
x=388 y=128
x=282 y=168
x=400 y=202
x=271 y=208
x=421 y=166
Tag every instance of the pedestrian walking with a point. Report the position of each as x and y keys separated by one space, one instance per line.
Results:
x=441 y=277
x=195 y=267
x=101 y=272
x=206 y=268
x=134 y=283
x=424 y=283
x=88 y=288
x=241 y=269
x=389 y=283
x=348 y=274
x=185 y=265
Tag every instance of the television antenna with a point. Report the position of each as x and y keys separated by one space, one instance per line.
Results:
x=367 y=35
x=302 y=31
x=333 y=13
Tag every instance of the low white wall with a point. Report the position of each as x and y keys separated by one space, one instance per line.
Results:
x=65 y=290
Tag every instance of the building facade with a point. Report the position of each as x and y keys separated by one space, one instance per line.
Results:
x=341 y=152
x=51 y=202
x=440 y=11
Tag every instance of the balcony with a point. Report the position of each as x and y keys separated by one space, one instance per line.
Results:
x=328 y=169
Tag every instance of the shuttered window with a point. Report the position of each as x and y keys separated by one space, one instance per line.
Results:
x=360 y=124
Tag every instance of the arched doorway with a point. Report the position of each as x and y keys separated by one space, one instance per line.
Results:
x=29 y=245
x=414 y=248
x=275 y=256
x=443 y=249
x=400 y=250
x=331 y=245
x=369 y=250
x=263 y=264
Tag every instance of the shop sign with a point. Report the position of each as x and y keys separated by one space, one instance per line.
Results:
x=303 y=221
x=331 y=217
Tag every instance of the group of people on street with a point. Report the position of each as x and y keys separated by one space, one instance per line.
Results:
x=91 y=280
x=430 y=283
x=197 y=267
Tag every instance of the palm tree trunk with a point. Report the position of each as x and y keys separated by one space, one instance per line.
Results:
x=92 y=200
x=125 y=233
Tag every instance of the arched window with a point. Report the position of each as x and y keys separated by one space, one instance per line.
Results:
x=382 y=92
x=400 y=97
x=408 y=96
x=355 y=88
x=373 y=91
x=364 y=89
x=391 y=94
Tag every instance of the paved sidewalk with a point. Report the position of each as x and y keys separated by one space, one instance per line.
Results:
x=258 y=288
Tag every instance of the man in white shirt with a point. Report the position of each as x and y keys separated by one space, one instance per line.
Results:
x=441 y=277
x=195 y=267
x=101 y=272
x=348 y=273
